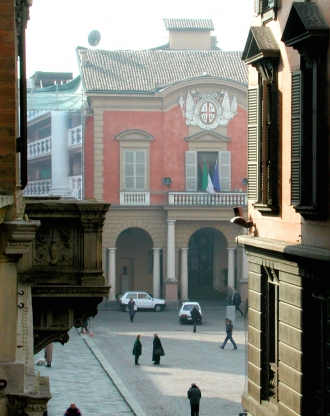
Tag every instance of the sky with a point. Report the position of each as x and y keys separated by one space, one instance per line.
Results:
x=56 y=28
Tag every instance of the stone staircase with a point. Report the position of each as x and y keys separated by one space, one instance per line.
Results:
x=205 y=293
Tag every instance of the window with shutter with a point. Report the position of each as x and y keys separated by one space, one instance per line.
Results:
x=135 y=170
x=225 y=171
x=295 y=137
x=266 y=8
x=264 y=120
x=253 y=143
x=191 y=171
x=309 y=164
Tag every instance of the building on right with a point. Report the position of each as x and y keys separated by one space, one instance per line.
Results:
x=288 y=248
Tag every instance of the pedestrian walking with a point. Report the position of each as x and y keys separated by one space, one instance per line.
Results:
x=73 y=411
x=194 y=395
x=196 y=316
x=157 y=350
x=137 y=349
x=229 y=296
x=229 y=331
x=237 y=301
x=48 y=350
x=131 y=309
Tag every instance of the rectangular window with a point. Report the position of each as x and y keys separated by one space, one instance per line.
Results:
x=308 y=140
x=135 y=170
x=269 y=334
x=218 y=166
x=266 y=8
x=263 y=144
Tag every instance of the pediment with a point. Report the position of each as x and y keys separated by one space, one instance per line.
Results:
x=305 y=22
x=134 y=135
x=207 y=136
x=260 y=45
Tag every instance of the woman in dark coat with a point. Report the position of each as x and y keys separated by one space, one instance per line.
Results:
x=157 y=350
x=137 y=349
x=131 y=310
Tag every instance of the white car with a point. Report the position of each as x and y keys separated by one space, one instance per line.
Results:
x=142 y=300
x=184 y=312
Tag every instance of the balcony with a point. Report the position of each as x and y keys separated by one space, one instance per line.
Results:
x=39 y=148
x=134 y=198
x=75 y=136
x=222 y=199
x=38 y=188
x=32 y=114
x=43 y=188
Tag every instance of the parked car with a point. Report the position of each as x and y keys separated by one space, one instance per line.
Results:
x=184 y=312
x=142 y=300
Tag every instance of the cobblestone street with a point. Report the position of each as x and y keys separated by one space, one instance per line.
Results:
x=87 y=369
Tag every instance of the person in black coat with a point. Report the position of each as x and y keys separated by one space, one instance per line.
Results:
x=237 y=301
x=137 y=349
x=194 y=395
x=73 y=411
x=131 y=309
x=196 y=316
x=157 y=349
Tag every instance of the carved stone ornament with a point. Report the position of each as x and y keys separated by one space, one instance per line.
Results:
x=54 y=246
x=208 y=111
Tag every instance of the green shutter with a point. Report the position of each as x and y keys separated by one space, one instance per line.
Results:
x=191 y=171
x=135 y=170
x=253 y=143
x=296 y=138
x=225 y=171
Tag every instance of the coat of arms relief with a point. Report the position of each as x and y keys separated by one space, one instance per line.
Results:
x=208 y=111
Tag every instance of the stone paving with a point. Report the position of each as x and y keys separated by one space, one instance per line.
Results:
x=98 y=372
x=77 y=376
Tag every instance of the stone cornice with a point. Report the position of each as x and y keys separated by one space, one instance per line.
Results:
x=19 y=235
x=70 y=291
x=283 y=247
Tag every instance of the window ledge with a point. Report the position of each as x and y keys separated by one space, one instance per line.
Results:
x=267 y=209
x=312 y=213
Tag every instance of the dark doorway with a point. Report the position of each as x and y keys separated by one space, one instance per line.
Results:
x=200 y=259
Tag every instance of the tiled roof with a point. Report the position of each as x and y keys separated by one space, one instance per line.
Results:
x=188 y=24
x=149 y=70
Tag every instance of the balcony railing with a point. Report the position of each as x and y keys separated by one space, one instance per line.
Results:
x=204 y=199
x=43 y=188
x=134 y=198
x=75 y=136
x=31 y=114
x=39 y=147
x=76 y=186
x=38 y=188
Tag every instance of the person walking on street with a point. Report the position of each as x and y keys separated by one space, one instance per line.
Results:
x=48 y=350
x=73 y=411
x=137 y=349
x=157 y=350
x=194 y=395
x=131 y=309
x=229 y=296
x=196 y=316
x=237 y=301
x=229 y=331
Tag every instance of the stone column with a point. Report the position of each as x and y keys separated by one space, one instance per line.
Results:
x=171 y=251
x=105 y=267
x=184 y=274
x=112 y=272
x=156 y=272
x=171 y=295
x=60 y=154
x=231 y=267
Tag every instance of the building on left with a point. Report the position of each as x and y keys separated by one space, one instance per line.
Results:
x=48 y=282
